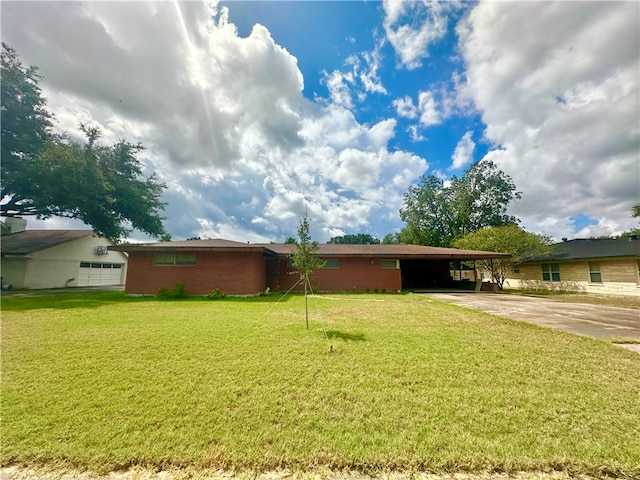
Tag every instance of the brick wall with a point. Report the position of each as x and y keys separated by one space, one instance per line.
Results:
x=354 y=274
x=237 y=273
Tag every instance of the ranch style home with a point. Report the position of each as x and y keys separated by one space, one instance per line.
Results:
x=36 y=259
x=606 y=266
x=248 y=269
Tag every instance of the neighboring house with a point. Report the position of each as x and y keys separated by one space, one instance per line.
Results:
x=608 y=266
x=248 y=269
x=57 y=258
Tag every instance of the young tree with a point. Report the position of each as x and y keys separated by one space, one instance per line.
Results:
x=49 y=175
x=505 y=239
x=437 y=213
x=304 y=259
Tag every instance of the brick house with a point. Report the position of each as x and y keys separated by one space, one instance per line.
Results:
x=607 y=266
x=248 y=269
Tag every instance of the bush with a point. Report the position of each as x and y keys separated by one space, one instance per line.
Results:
x=217 y=295
x=546 y=288
x=179 y=290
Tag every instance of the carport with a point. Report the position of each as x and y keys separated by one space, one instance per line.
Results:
x=433 y=271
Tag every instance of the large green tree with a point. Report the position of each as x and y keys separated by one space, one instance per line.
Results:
x=357 y=239
x=510 y=239
x=46 y=175
x=26 y=129
x=437 y=213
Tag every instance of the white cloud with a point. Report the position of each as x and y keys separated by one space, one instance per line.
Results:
x=428 y=109
x=338 y=85
x=561 y=102
x=416 y=136
x=223 y=118
x=412 y=26
x=369 y=75
x=405 y=107
x=360 y=78
x=463 y=153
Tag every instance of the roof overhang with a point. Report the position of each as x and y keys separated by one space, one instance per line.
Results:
x=325 y=251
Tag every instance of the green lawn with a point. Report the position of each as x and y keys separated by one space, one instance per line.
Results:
x=104 y=382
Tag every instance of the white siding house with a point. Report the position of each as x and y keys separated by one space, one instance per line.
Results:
x=59 y=258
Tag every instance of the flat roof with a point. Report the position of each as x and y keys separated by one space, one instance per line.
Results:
x=325 y=250
x=215 y=244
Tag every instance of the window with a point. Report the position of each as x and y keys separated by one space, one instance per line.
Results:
x=332 y=263
x=594 y=272
x=165 y=259
x=389 y=264
x=550 y=272
x=186 y=259
x=100 y=265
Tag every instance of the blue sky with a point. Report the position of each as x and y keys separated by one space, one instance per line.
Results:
x=255 y=112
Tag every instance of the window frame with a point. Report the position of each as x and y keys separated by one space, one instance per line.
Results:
x=595 y=272
x=551 y=271
x=387 y=261
x=95 y=265
x=329 y=265
x=173 y=260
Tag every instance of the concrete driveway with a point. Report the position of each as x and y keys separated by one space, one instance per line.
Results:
x=590 y=320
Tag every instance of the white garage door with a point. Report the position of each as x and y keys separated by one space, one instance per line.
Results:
x=93 y=274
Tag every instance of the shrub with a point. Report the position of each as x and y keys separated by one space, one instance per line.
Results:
x=179 y=290
x=216 y=294
x=546 y=288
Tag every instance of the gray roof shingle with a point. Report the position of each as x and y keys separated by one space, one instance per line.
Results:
x=582 y=248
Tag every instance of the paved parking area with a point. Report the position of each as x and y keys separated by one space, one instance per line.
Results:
x=590 y=320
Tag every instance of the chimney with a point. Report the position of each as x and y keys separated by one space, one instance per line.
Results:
x=15 y=224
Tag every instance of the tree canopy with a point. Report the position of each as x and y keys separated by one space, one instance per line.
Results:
x=511 y=239
x=44 y=174
x=358 y=239
x=437 y=213
x=391 y=239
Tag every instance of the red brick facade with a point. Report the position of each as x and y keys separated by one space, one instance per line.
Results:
x=248 y=269
x=236 y=273
x=352 y=274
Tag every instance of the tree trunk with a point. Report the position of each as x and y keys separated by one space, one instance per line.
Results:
x=306 y=305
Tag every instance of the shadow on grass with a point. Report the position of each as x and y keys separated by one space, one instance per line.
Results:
x=346 y=337
x=19 y=302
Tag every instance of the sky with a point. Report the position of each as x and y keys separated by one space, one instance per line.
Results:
x=255 y=113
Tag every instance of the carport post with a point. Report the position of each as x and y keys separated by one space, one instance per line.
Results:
x=475 y=272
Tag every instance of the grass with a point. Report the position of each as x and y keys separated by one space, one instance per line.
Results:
x=104 y=382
